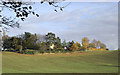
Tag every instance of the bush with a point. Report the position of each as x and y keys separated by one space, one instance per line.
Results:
x=53 y=51
x=22 y=52
x=81 y=50
x=36 y=52
x=12 y=50
x=19 y=48
x=30 y=52
x=48 y=51
x=64 y=51
x=41 y=51
x=27 y=51
x=60 y=50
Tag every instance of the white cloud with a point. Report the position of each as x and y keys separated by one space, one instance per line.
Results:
x=92 y=0
x=75 y=0
x=94 y=22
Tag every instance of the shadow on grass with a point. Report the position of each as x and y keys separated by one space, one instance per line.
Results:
x=110 y=65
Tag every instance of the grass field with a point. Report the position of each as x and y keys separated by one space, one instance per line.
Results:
x=81 y=62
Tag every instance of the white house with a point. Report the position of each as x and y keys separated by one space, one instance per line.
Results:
x=65 y=47
x=52 y=46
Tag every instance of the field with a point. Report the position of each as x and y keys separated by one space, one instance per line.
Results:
x=79 y=62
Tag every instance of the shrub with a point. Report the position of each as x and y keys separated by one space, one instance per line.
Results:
x=74 y=47
x=53 y=51
x=22 y=52
x=36 y=52
x=11 y=50
x=48 y=51
x=30 y=52
x=60 y=49
x=27 y=51
x=64 y=51
x=41 y=51
x=19 y=48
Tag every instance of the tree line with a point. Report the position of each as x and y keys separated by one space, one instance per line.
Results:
x=30 y=43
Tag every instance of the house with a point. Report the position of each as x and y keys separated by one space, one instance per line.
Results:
x=52 y=46
x=65 y=48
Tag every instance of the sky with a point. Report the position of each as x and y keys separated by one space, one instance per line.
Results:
x=95 y=20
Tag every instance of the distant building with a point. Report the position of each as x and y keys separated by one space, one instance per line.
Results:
x=52 y=46
x=65 y=48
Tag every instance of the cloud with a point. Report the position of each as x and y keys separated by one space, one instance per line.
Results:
x=92 y=0
x=98 y=21
x=75 y=0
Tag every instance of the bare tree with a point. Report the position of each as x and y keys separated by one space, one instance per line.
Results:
x=22 y=10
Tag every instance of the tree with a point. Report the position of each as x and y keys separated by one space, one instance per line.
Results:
x=98 y=44
x=92 y=45
x=4 y=38
x=102 y=46
x=50 y=38
x=94 y=42
x=29 y=40
x=11 y=42
x=22 y=10
x=78 y=44
x=14 y=42
x=75 y=46
x=26 y=41
x=64 y=44
x=69 y=44
x=85 y=42
x=58 y=42
x=41 y=38
x=19 y=48
x=6 y=43
x=44 y=46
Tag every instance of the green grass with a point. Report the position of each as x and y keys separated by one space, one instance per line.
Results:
x=85 y=62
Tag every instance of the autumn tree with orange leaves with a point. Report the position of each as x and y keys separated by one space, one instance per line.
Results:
x=75 y=46
x=85 y=42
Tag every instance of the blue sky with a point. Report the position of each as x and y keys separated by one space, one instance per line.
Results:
x=95 y=20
